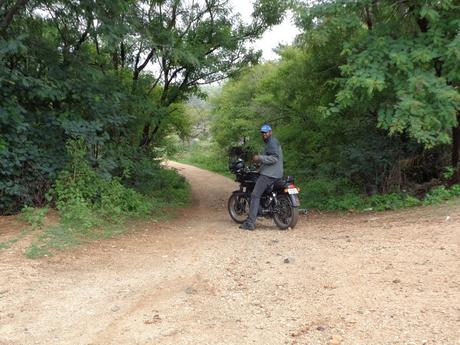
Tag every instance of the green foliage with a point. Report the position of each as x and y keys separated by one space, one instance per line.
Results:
x=85 y=198
x=204 y=155
x=113 y=73
x=448 y=173
x=327 y=194
x=440 y=194
x=392 y=201
x=401 y=62
x=33 y=216
x=365 y=100
x=92 y=206
x=334 y=195
x=8 y=243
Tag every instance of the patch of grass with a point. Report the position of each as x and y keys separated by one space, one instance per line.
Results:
x=36 y=251
x=64 y=235
x=7 y=244
x=203 y=156
x=100 y=209
x=33 y=216
x=337 y=195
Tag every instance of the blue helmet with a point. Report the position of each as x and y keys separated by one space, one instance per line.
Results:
x=265 y=128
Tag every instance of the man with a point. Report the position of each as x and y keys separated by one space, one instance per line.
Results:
x=271 y=169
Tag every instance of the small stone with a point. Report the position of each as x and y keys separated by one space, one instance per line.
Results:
x=336 y=340
x=10 y=315
x=397 y=281
x=115 y=308
x=155 y=319
x=289 y=260
x=320 y=328
x=190 y=291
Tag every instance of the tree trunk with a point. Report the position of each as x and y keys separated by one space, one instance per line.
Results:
x=9 y=16
x=145 y=139
x=456 y=150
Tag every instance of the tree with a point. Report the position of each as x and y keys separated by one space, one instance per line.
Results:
x=402 y=64
x=111 y=72
x=192 y=44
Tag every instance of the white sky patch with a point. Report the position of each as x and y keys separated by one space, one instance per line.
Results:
x=283 y=33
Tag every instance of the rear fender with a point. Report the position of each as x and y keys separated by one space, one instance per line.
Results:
x=294 y=199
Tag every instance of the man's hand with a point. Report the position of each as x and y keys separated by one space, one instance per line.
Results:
x=255 y=158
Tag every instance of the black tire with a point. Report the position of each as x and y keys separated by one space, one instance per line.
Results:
x=285 y=215
x=238 y=207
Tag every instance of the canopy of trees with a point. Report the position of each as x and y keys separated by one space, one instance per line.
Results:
x=368 y=96
x=112 y=73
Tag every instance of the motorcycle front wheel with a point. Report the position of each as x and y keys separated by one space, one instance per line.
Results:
x=285 y=215
x=238 y=207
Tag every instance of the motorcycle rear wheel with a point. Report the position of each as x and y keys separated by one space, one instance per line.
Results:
x=238 y=207
x=285 y=215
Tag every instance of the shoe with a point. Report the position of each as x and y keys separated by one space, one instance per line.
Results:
x=247 y=226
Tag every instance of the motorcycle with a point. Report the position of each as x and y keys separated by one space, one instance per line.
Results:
x=280 y=201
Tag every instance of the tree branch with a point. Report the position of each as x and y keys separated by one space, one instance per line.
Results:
x=9 y=16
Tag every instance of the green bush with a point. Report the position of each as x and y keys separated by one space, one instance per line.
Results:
x=33 y=216
x=335 y=195
x=440 y=194
x=83 y=196
x=328 y=194
x=170 y=187
x=455 y=190
x=92 y=206
x=391 y=201
x=206 y=156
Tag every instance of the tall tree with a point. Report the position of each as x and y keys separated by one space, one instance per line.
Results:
x=112 y=72
x=402 y=63
x=188 y=44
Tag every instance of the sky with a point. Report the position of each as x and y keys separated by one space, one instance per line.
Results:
x=283 y=33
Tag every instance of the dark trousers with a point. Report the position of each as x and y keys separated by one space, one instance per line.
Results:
x=261 y=185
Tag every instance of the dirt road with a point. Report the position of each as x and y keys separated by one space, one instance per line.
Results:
x=380 y=278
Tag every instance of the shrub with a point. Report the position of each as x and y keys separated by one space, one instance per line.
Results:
x=83 y=196
x=33 y=216
x=391 y=201
x=328 y=194
x=205 y=156
x=441 y=193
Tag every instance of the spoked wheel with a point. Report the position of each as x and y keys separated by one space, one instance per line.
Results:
x=238 y=207
x=285 y=215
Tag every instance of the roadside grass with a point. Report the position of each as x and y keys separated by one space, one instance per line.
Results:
x=82 y=229
x=204 y=157
x=7 y=244
x=324 y=194
x=79 y=224
x=33 y=217
x=336 y=195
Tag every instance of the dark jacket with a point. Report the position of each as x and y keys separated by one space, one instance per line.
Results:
x=272 y=159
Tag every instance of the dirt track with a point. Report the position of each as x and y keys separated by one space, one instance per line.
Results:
x=381 y=278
